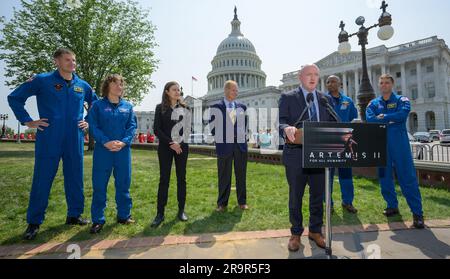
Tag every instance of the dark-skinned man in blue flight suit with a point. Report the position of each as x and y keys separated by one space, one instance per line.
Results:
x=393 y=110
x=347 y=112
x=60 y=97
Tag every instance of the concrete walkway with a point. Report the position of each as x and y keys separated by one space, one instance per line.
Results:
x=385 y=241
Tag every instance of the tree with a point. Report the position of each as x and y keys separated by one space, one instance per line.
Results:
x=108 y=36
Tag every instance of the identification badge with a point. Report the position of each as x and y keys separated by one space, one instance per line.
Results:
x=392 y=106
x=123 y=110
x=78 y=89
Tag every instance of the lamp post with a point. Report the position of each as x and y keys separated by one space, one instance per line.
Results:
x=386 y=31
x=3 y=117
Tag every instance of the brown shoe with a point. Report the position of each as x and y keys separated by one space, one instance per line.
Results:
x=294 y=243
x=350 y=208
x=318 y=239
x=244 y=207
x=221 y=208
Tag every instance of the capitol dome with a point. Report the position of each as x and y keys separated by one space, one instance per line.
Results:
x=236 y=59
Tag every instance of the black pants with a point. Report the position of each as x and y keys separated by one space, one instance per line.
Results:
x=298 y=178
x=166 y=156
x=224 y=167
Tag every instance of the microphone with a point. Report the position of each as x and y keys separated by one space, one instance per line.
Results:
x=324 y=102
x=310 y=102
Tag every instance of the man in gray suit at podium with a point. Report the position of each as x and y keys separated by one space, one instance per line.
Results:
x=291 y=106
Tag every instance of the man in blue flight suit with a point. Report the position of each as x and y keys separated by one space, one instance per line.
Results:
x=393 y=110
x=60 y=99
x=347 y=112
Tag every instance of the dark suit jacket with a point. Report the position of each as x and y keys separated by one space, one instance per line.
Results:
x=224 y=148
x=163 y=125
x=291 y=106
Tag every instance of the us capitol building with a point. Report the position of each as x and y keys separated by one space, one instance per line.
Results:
x=421 y=69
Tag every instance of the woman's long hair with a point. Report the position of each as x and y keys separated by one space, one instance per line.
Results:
x=165 y=103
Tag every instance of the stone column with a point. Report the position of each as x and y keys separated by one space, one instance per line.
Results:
x=403 y=73
x=437 y=74
x=420 y=95
x=356 y=83
x=344 y=83
x=322 y=83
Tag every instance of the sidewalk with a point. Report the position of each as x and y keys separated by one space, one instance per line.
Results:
x=386 y=241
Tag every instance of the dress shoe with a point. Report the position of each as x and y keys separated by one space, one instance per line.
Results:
x=318 y=239
x=182 y=216
x=391 y=212
x=243 y=207
x=221 y=208
x=96 y=228
x=128 y=221
x=418 y=223
x=294 y=243
x=31 y=232
x=76 y=221
x=350 y=208
x=158 y=220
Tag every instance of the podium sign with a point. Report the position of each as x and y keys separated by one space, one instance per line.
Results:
x=344 y=145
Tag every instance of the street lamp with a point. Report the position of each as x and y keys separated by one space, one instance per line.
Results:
x=386 y=31
x=3 y=117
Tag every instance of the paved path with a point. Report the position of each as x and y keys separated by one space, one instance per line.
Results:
x=386 y=241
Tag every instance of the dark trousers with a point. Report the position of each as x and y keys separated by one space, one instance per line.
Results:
x=298 y=178
x=166 y=156
x=224 y=167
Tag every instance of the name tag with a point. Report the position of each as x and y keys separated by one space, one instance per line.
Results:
x=392 y=106
x=123 y=110
x=78 y=89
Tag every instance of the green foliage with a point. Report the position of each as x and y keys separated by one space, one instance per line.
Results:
x=108 y=36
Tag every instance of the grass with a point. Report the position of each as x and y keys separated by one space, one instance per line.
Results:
x=267 y=194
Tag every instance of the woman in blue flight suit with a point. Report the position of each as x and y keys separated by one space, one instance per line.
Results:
x=113 y=124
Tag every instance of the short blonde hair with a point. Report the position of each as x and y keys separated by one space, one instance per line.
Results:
x=229 y=83
x=387 y=76
x=308 y=66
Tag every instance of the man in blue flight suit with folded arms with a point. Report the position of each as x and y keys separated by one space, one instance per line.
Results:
x=347 y=112
x=60 y=99
x=393 y=110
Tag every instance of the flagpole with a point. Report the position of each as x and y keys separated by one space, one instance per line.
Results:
x=192 y=87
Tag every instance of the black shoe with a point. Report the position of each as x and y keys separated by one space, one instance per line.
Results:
x=31 y=232
x=96 y=228
x=128 y=221
x=77 y=221
x=182 y=216
x=390 y=212
x=350 y=208
x=418 y=223
x=158 y=220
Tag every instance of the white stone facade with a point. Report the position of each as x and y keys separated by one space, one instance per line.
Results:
x=421 y=70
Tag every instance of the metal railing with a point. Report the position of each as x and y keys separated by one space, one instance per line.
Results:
x=437 y=153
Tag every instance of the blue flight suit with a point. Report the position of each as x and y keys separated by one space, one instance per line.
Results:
x=109 y=122
x=347 y=112
x=396 y=111
x=62 y=103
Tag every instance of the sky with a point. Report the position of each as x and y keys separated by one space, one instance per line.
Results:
x=285 y=33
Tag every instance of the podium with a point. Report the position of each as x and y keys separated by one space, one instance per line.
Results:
x=341 y=145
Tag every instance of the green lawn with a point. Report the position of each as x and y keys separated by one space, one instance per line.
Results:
x=267 y=193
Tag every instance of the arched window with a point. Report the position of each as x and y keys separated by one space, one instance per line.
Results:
x=430 y=120
x=413 y=122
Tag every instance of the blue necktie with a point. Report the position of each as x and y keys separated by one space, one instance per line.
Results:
x=313 y=113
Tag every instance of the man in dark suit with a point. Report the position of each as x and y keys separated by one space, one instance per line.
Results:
x=291 y=106
x=229 y=128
